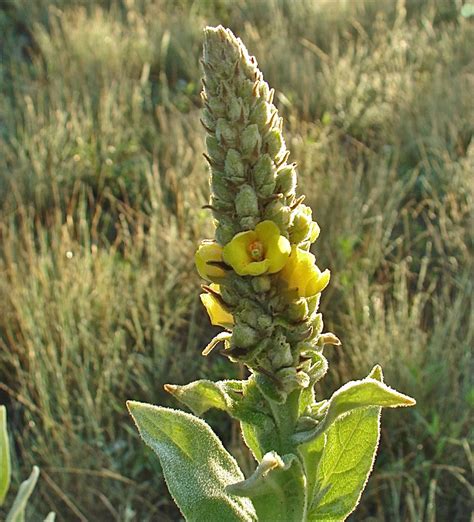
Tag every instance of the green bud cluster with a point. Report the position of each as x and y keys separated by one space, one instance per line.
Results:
x=250 y=177
x=275 y=333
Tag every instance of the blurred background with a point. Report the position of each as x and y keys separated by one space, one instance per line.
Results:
x=102 y=183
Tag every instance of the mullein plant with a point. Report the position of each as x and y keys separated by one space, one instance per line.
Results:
x=262 y=287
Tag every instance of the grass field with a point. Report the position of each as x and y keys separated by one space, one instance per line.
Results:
x=102 y=183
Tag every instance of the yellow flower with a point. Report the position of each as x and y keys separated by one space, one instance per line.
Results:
x=209 y=251
x=259 y=251
x=217 y=314
x=302 y=274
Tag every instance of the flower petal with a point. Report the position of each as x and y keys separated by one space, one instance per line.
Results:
x=317 y=283
x=236 y=252
x=217 y=314
x=266 y=230
x=209 y=251
x=277 y=254
x=256 y=268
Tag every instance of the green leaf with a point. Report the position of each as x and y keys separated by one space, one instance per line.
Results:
x=345 y=465
x=17 y=512
x=353 y=395
x=5 y=468
x=311 y=455
x=240 y=399
x=195 y=465
x=277 y=489
x=334 y=489
x=200 y=396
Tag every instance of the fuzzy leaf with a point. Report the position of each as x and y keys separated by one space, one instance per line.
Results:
x=345 y=465
x=17 y=512
x=336 y=474
x=200 y=396
x=5 y=470
x=277 y=489
x=353 y=395
x=240 y=399
x=195 y=465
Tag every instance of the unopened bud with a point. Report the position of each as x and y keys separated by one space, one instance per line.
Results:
x=261 y=113
x=245 y=90
x=248 y=222
x=217 y=107
x=313 y=303
x=280 y=214
x=220 y=187
x=264 y=176
x=244 y=336
x=215 y=151
x=280 y=355
x=300 y=229
x=286 y=180
x=226 y=134
x=234 y=166
x=208 y=120
x=317 y=325
x=225 y=231
x=275 y=144
x=264 y=322
x=250 y=140
x=261 y=284
x=298 y=310
x=246 y=202
x=235 y=109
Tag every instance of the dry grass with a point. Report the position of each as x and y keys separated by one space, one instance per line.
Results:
x=102 y=183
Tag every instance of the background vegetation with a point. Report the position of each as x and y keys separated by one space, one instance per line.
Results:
x=102 y=181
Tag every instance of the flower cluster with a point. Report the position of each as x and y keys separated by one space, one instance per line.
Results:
x=265 y=282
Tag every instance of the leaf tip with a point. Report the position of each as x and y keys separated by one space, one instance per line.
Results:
x=376 y=373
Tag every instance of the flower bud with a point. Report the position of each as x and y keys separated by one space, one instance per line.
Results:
x=245 y=89
x=209 y=252
x=235 y=109
x=216 y=153
x=244 y=336
x=317 y=325
x=280 y=355
x=261 y=113
x=300 y=229
x=226 y=134
x=217 y=107
x=246 y=202
x=286 y=180
x=298 y=310
x=250 y=140
x=263 y=90
x=248 y=222
x=234 y=166
x=261 y=284
x=221 y=188
x=208 y=120
x=225 y=230
x=275 y=144
x=229 y=295
x=313 y=303
x=264 y=176
x=279 y=213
